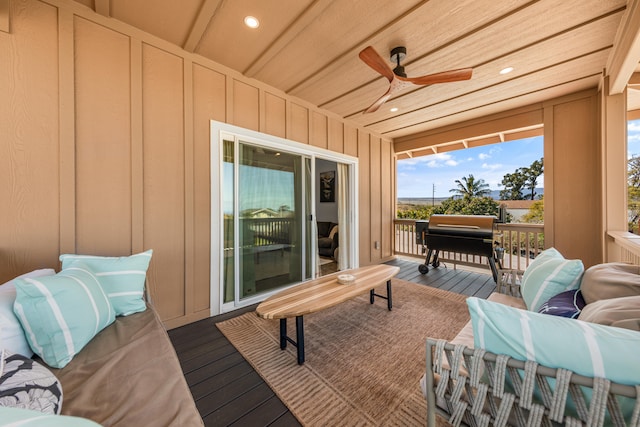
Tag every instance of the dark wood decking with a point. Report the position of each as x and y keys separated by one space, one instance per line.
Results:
x=229 y=392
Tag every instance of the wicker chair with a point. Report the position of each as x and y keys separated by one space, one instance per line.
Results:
x=477 y=388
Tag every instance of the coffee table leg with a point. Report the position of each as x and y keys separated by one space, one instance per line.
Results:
x=389 y=304
x=298 y=343
x=372 y=295
x=283 y=334
x=300 y=339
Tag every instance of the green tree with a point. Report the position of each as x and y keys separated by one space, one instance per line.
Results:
x=523 y=178
x=470 y=187
x=513 y=184
x=415 y=212
x=532 y=174
x=536 y=213
x=468 y=206
x=633 y=193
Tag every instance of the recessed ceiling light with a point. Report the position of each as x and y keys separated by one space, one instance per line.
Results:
x=251 y=22
x=394 y=109
x=506 y=70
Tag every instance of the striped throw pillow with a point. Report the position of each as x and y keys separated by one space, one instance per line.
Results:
x=60 y=314
x=586 y=348
x=122 y=278
x=548 y=275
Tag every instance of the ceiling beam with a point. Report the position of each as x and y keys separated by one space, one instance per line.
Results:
x=4 y=16
x=201 y=23
x=626 y=49
x=634 y=81
x=103 y=7
x=301 y=22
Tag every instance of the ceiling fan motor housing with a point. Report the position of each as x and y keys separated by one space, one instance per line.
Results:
x=397 y=55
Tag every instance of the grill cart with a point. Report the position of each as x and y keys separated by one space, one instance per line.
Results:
x=466 y=234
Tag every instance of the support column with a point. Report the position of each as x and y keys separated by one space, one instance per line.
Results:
x=5 y=20
x=613 y=123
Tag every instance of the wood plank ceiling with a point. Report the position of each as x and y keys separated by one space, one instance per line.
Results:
x=309 y=49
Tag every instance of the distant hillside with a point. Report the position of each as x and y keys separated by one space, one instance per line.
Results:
x=495 y=194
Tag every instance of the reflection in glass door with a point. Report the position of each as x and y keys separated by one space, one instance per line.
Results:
x=265 y=210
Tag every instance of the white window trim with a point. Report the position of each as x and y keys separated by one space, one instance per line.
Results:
x=218 y=130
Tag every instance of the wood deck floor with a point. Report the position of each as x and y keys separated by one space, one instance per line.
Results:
x=229 y=392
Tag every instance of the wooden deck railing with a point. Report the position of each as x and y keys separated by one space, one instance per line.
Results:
x=521 y=243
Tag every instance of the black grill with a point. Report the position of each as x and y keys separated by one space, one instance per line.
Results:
x=465 y=234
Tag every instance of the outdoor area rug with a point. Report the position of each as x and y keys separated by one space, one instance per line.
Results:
x=363 y=363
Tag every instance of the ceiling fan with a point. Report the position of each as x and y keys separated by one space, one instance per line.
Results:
x=398 y=79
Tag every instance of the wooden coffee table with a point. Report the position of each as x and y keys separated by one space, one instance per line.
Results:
x=321 y=293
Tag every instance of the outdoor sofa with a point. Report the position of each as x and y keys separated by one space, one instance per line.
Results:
x=515 y=364
x=126 y=374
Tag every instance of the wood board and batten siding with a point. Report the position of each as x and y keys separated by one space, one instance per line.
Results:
x=104 y=149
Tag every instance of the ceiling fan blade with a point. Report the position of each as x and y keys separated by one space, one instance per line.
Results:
x=443 y=77
x=370 y=57
x=374 y=107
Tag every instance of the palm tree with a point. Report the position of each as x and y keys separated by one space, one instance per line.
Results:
x=470 y=187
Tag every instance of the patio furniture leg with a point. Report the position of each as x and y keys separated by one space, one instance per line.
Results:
x=298 y=343
x=283 y=334
x=300 y=339
x=372 y=295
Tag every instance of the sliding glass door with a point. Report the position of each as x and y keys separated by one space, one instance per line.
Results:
x=266 y=213
x=264 y=203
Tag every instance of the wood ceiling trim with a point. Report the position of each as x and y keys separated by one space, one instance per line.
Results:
x=473 y=130
x=633 y=115
x=200 y=24
x=634 y=80
x=381 y=34
x=348 y=54
x=309 y=15
x=480 y=98
x=498 y=59
x=626 y=54
x=577 y=86
x=406 y=116
x=103 y=7
x=415 y=126
x=5 y=21
x=505 y=136
x=565 y=33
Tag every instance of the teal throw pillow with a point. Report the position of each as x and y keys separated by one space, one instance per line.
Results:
x=60 y=314
x=548 y=275
x=122 y=278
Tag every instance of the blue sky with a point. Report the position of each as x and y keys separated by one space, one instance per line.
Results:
x=417 y=176
x=633 y=138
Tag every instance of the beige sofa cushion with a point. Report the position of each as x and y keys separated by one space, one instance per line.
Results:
x=621 y=312
x=610 y=280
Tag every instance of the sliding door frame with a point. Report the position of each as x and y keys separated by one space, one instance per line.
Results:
x=220 y=131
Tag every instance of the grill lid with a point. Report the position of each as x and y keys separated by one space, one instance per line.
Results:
x=471 y=226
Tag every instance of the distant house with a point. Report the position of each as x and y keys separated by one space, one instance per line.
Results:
x=264 y=213
x=517 y=208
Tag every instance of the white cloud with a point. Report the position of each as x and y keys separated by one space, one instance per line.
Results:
x=492 y=167
x=633 y=126
x=484 y=156
x=432 y=161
